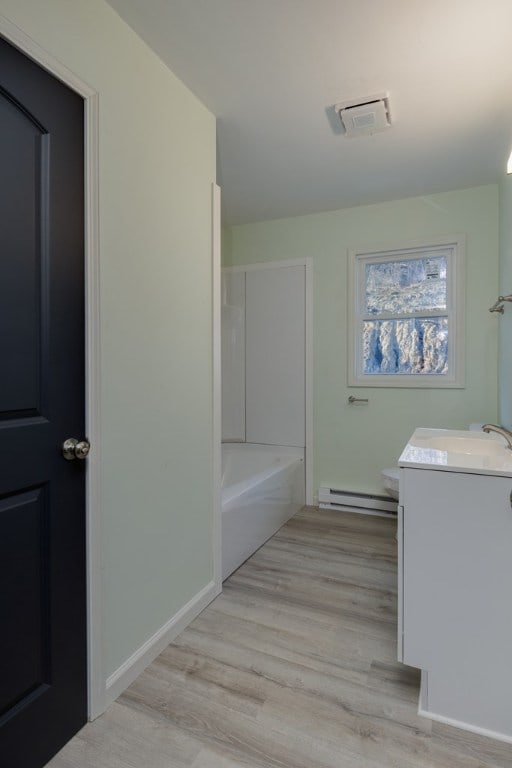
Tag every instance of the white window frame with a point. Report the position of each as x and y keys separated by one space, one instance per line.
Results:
x=454 y=249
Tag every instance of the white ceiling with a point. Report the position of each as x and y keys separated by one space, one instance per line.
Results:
x=271 y=70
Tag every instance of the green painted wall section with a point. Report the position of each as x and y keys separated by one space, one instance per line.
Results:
x=353 y=443
x=157 y=163
x=505 y=320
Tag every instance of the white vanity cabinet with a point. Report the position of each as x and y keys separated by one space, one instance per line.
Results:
x=455 y=593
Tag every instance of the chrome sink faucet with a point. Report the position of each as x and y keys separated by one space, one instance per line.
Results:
x=505 y=433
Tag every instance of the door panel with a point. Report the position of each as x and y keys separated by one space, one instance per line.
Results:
x=23 y=554
x=20 y=203
x=42 y=496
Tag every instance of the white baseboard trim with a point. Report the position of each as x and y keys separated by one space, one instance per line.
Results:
x=148 y=651
x=331 y=498
x=356 y=510
x=424 y=712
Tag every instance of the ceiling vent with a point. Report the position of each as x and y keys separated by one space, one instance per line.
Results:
x=365 y=116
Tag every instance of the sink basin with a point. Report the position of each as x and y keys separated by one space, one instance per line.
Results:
x=470 y=445
x=457 y=450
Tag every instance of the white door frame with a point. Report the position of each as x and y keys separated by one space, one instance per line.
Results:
x=216 y=387
x=95 y=640
x=308 y=264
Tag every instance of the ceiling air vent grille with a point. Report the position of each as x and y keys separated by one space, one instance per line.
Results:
x=365 y=116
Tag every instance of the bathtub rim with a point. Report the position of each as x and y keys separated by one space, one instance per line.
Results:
x=230 y=493
x=251 y=518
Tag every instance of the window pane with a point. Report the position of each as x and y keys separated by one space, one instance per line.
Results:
x=410 y=285
x=413 y=346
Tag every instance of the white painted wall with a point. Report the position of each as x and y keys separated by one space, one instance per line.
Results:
x=157 y=163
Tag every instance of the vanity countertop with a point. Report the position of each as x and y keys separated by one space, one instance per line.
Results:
x=453 y=450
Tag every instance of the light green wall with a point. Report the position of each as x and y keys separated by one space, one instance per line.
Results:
x=505 y=320
x=157 y=158
x=353 y=443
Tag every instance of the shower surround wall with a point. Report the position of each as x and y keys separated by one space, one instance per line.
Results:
x=233 y=356
x=263 y=356
x=263 y=405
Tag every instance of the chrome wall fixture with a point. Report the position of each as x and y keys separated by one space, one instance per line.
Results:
x=357 y=400
x=498 y=304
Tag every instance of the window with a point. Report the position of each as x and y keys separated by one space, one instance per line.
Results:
x=406 y=324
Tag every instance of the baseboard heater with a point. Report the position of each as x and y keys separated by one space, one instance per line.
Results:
x=365 y=503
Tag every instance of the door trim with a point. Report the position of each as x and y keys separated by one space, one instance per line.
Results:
x=216 y=387
x=95 y=641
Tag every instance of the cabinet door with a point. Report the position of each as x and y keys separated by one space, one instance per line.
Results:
x=400 y=605
x=457 y=570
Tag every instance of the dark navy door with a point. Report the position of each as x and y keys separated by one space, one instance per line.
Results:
x=42 y=495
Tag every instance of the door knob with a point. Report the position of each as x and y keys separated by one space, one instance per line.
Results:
x=75 y=449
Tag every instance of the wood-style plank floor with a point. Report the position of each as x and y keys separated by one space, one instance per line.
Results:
x=293 y=666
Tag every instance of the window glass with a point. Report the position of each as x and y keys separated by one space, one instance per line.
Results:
x=416 y=345
x=405 y=286
x=406 y=319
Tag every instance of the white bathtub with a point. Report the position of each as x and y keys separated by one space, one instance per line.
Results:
x=262 y=487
